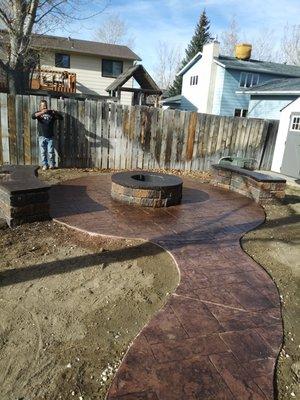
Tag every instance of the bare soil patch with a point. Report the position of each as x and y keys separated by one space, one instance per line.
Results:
x=276 y=246
x=70 y=306
x=58 y=175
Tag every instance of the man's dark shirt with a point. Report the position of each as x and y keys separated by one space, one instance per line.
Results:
x=46 y=123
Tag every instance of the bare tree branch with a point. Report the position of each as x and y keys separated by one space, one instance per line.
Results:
x=290 y=44
x=168 y=61
x=230 y=37
x=114 y=31
x=49 y=11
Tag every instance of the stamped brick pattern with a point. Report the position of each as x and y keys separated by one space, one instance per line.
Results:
x=219 y=334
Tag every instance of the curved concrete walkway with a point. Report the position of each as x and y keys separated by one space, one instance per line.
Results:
x=219 y=334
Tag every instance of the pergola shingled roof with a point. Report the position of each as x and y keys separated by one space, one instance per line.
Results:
x=142 y=77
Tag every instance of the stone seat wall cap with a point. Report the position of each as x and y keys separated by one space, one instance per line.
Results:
x=258 y=176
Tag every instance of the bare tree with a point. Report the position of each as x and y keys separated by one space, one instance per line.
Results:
x=19 y=18
x=263 y=46
x=168 y=62
x=290 y=44
x=230 y=38
x=114 y=30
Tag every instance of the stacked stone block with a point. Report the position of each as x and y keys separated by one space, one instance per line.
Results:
x=263 y=189
x=146 y=197
x=23 y=197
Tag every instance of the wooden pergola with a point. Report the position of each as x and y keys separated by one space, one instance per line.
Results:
x=148 y=87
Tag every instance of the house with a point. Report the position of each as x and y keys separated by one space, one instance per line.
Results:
x=286 y=159
x=212 y=82
x=268 y=99
x=93 y=65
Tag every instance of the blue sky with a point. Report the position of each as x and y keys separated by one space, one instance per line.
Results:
x=174 y=21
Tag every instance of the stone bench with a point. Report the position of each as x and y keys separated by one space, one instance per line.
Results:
x=23 y=197
x=262 y=188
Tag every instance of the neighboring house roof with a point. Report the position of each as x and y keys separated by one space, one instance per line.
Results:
x=80 y=46
x=275 y=87
x=298 y=98
x=137 y=72
x=258 y=66
x=248 y=65
x=173 y=99
x=190 y=64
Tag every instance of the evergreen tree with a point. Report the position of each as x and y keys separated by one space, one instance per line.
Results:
x=200 y=38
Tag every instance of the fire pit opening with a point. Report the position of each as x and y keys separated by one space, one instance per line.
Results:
x=147 y=189
x=148 y=178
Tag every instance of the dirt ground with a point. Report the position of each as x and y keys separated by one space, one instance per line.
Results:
x=70 y=306
x=276 y=246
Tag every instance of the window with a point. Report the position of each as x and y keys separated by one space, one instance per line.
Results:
x=240 y=112
x=111 y=68
x=194 y=80
x=295 y=123
x=248 y=79
x=62 y=60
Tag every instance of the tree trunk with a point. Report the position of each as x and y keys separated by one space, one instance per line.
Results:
x=18 y=81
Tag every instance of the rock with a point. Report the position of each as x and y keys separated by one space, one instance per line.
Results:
x=296 y=370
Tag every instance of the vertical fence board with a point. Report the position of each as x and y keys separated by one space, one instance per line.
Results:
x=269 y=146
x=1 y=148
x=34 y=149
x=20 y=130
x=12 y=128
x=4 y=129
x=26 y=129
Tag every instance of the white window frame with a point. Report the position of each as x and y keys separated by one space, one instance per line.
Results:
x=295 y=123
x=248 y=77
x=241 y=112
x=194 y=80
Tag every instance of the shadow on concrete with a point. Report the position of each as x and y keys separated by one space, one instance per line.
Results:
x=190 y=195
x=76 y=201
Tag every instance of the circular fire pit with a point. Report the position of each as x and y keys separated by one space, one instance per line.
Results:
x=147 y=189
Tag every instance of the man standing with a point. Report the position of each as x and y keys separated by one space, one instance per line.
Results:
x=46 y=119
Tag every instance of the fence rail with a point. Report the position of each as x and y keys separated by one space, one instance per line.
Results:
x=107 y=135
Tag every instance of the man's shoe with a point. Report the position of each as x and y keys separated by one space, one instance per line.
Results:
x=53 y=167
x=45 y=167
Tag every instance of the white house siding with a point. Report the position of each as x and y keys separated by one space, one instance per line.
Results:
x=268 y=106
x=282 y=134
x=88 y=74
x=219 y=83
x=200 y=97
x=190 y=93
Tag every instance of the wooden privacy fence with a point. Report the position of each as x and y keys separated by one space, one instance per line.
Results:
x=107 y=135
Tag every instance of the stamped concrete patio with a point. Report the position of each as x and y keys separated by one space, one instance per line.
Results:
x=219 y=334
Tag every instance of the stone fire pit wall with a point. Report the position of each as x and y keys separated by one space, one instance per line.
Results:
x=146 y=189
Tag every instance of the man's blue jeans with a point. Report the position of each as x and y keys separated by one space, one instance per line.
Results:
x=47 y=151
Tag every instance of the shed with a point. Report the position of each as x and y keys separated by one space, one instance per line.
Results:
x=286 y=159
x=148 y=87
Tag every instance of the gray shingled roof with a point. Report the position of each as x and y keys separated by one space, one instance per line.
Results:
x=259 y=66
x=288 y=86
x=173 y=99
x=139 y=73
x=81 y=46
